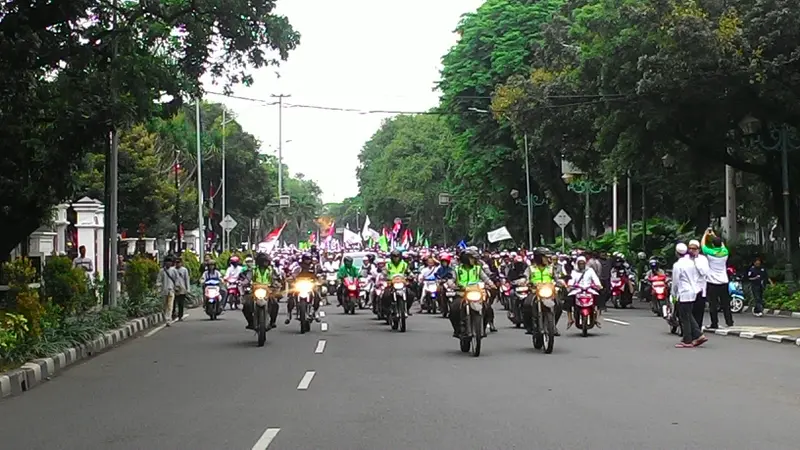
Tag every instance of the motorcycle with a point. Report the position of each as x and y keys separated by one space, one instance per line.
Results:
x=506 y=297
x=619 y=297
x=544 y=337
x=397 y=309
x=350 y=297
x=585 y=313
x=304 y=287
x=364 y=292
x=212 y=298
x=377 y=304
x=260 y=302
x=330 y=283
x=521 y=292
x=431 y=293
x=444 y=301
x=659 y=302
x=736 y=293
x=234 y=295
x=472 y=315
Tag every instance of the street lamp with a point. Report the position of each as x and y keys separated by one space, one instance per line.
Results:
x=533 y=201
x=784 y=139
x=583 y=187
x=225 y=234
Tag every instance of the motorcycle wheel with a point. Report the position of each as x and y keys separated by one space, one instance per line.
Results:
x=261 y=319
x=395 y=323
x=445 y=307
x=465 y=344
x=737 y=305
x=550 y=332
x=585 y=328
x=477 y=334
x=302 y=311
x=615 y=300
x=538 y=341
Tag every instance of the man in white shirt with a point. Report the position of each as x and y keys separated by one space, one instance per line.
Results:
x=685 y=289
x=717 y=278
x=701 y=263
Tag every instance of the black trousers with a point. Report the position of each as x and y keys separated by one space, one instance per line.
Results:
x=699 y=309
x=530 y=315
x=180 y=303
x=691 y=329
x=718 y=296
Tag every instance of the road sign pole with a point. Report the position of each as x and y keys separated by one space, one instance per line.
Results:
x=563 y=241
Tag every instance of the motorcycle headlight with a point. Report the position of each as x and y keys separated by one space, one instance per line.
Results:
x=352 y=287
x=545 y=292
x=398 y=285
x=304 y=286
x=260 y=293
x=474 y=296
x=212 y=292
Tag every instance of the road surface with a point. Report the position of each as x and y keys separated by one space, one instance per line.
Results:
x=204 y=385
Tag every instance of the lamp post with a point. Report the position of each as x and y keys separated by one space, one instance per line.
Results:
x=587 y=188
x=533 y=201
x=783 y=139
x=444 y=200
x=225 y=235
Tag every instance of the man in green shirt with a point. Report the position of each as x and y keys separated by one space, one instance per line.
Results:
x=264 y=274
x=346 y=270
x=396 y=266
x=540 y=272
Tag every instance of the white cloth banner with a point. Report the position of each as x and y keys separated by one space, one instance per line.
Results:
x=365 y=232
x=500 y=234
x=350 y=238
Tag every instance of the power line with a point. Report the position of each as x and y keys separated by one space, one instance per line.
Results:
x=597 y=99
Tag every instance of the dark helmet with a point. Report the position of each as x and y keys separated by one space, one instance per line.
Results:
x=395 y=254
x=262 y=259
x=305 y=257
x=371 y=257
x=348 y=261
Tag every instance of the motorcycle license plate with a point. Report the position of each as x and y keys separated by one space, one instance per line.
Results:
x=451 y=294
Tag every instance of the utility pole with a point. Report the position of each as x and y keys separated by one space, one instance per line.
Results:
x=112 y=194
x=225 y=235
x=202 y=231
x=280 y=98
x=177 y=202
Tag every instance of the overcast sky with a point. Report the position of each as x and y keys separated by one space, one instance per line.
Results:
x=359 y=54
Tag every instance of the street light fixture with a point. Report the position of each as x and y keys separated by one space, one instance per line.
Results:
x=582 y=187
x=784 y=139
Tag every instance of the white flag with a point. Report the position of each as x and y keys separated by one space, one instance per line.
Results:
x=365 y=232
x=350 y=238
x=500 y=234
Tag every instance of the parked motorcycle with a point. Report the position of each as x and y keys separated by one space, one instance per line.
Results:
x=472 y=316
x=585 y=311
x=350 y=295
x=659 y=298
x=397 y=309
x=304 y=287
x=212 y=298
x=260 y=301
x=430 y=290
x=544 y=337
x=736 y=292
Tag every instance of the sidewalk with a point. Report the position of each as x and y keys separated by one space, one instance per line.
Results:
x=773 y=328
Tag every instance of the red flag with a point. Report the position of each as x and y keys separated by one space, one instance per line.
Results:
x=332 y=229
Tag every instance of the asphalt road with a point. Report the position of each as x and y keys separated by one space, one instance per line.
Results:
x=206 y=386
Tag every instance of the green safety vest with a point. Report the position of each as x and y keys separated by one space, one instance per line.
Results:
x=399 y=269
x=262 y=277
x=538 y=275
x=465 y=277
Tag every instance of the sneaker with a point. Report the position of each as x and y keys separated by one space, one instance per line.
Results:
x=683 y=345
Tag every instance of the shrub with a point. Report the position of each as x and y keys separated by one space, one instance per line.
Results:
x=19 y=275
x=145 y=306
x=192 y=263
x=140 y=277
x=13 y=332
x=65 y=285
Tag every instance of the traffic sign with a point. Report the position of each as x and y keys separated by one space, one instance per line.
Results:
x=228 y=223
x=562 y=219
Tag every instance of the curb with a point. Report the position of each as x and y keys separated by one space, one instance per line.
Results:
x=772 y=312
x=38 y=371
x=776 y=338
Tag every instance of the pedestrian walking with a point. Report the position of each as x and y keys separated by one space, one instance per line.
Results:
x=686 y=280
x=717 y=278
x=701 y=264
x=181 y=289
x=166 y=280
x=83 y=262
x=757 y=275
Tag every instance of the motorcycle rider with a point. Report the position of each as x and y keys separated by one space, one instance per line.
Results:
x=305 y=268
x=428 y=271
x=262 y=273
x=396 y=266
x=583 y=276
x=469 y=271
x=445 y=270
x=539 y=272
x=347 y=269
x=211 y=272
x=231 y=276
x=369 y=270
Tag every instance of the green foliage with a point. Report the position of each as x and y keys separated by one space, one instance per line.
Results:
x=19 y=274
x=65 y=285
x=68 y=75
x=140 y=278
x=403 y=169
x=13 y=331
x=192 y=263
x=777 y=296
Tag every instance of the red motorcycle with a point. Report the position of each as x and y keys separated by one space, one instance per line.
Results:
x=659 y=295
x=585 y=310
x=505 y=293
x=619 y=285
x=351 y=295
x=234 y=295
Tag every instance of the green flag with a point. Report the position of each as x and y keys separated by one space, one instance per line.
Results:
x=383 y=243
x=427 y=244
